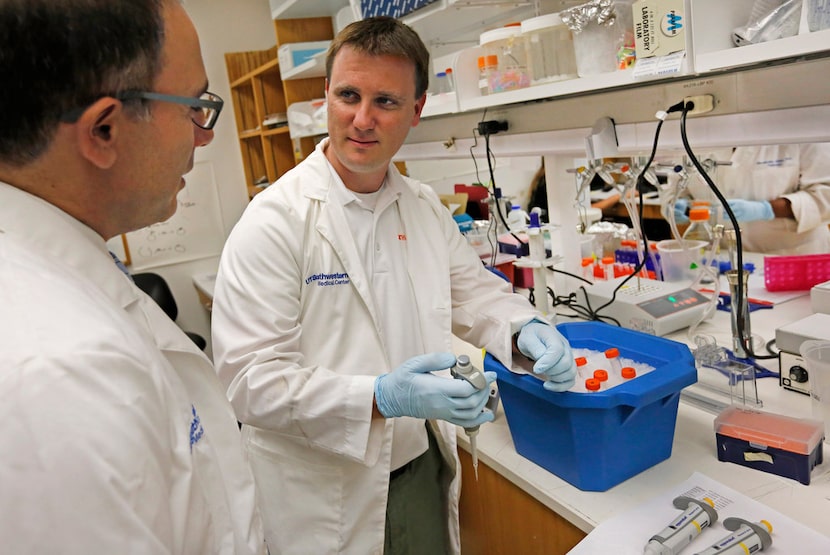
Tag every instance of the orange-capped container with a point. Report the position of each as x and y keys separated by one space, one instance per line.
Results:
x=778 y=444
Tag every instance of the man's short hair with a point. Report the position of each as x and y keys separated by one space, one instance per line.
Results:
x=59 y=56
x=384 y=36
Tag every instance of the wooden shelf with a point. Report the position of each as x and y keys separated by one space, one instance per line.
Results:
x=258 y=89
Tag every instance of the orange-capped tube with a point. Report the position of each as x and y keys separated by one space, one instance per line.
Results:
x=608 y=267
x=592 y=384
x=600 y=374
x=581 y=363
x=628 y=372
x=613 y=357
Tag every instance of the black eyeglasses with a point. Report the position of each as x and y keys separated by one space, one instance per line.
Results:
x=206 y=108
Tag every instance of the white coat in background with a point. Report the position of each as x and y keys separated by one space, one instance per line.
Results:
x=798 y=172
x=115 y=434
x=296 y=338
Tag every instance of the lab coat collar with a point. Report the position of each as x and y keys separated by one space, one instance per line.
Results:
x=55 y=234
x=48 y=230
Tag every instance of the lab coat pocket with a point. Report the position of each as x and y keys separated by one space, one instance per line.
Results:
x=300 y=499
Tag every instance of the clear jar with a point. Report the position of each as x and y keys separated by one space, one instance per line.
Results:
x=506 y=43
x=550 y=48
x=602 y=44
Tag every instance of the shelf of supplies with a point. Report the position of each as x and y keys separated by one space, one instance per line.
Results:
x=249 y=134
x=789 y=47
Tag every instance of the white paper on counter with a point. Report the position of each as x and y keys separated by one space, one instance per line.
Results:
x=627 y=534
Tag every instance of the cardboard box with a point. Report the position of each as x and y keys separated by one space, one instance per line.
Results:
x=594 y=441
x=659 y=27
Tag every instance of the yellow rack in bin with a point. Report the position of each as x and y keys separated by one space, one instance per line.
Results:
x=594 y=441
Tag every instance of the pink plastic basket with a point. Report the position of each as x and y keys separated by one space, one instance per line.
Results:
x=795 y=273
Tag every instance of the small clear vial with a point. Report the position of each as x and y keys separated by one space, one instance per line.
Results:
x=581 y=366
x=612 y=355
x=487 y=66
x=588 y=268
x=441 y=85
x=608 y=267
x=450 y=80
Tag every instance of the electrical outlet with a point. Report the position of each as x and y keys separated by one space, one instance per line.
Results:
x=702 y=103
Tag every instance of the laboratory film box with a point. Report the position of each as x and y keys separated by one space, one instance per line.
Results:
x=596 y=440
x=774 y=443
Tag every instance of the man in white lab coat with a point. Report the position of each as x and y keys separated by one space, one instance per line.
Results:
x=337 y=296
x=115 y=433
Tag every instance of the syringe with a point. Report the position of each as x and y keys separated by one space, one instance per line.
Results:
x=746 y=537
x=682 y=530
x=464 y=370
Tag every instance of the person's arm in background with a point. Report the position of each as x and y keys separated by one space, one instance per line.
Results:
x=608 y=202
x=807 y=200
x=809 y=205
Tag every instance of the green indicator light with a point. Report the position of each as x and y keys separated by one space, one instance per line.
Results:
x=672 y=299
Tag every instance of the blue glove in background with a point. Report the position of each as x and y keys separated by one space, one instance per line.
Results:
x=552 y=353
x=410 y=390
x=680 y=207
x=750 y=210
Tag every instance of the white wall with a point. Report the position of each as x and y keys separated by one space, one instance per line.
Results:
x=223 y=26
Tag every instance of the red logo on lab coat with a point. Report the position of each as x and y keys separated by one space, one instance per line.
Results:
x=401 y=237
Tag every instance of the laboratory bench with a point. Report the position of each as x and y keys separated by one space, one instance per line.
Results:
x=488 y=521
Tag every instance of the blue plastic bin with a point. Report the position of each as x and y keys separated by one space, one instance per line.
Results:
x=594 y=441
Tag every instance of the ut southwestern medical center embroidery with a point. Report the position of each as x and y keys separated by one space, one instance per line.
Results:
x=196 y=429
x=327 y=280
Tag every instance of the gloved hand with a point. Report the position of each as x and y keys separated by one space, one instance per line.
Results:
x=410 y=390
x=680 y=207
x=552 y=353
x=750 y=210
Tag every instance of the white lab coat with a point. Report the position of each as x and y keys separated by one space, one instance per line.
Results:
x=798 y=172
x=297 y=339
x=115 y=434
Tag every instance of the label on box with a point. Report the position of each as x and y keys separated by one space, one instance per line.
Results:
x=659 y=27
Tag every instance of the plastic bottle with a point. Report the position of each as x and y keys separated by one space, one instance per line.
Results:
x=517 y=218
x=700 y=230
x=487 y=65
x=441 y=84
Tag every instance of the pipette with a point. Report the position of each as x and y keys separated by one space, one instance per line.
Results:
x=746 y=537
x=464 y=370
x=682 y=530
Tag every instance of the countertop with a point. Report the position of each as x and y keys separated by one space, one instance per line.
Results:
x=693 y=448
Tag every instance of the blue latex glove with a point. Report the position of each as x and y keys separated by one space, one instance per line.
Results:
x=410 y=390
x=680 y=207
x=751 y=210
x=552 y=353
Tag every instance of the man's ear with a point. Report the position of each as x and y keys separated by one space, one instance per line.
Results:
x=97 y=132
